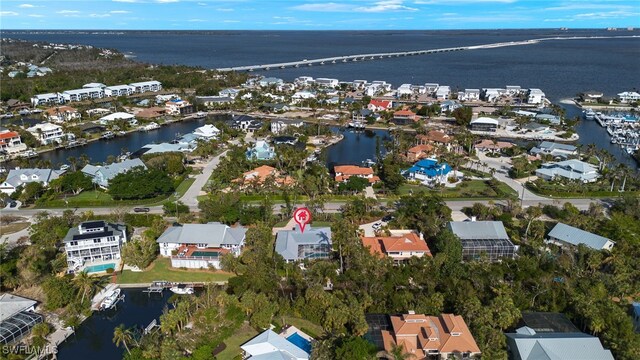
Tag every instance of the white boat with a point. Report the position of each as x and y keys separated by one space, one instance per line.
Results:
x=151 y=126
x=64 y=167
x=110 y=299
x=182 y=289
x=589 y=114
x=200 y=115
x=108 y=135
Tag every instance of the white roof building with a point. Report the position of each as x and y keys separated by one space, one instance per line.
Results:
x=269 y=345
x=116 y=116
x=207 y=132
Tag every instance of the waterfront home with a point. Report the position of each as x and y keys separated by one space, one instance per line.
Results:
x=591 y=96
x=326 y=82
x=551 y=336
x=207 y=132
x=60 y=114
x=493 y=145
x=290 y=344
x=19 y=177
x=431 y=88
x=275 y=107
x=299 y=96
x=362 y=115
x=513 y=90
x=429 y=172
x=556 y=150
x=400 y=246
x=550 y=118
x=47 y=99
x=443 y=93
x=17 y=318
x=230 y=93
x=379 y=105
x=94 y=241
x=48 y=133
x=404 y=117
x=492 y=94
x=130 y=118
x=196 y=246
x=536 y=127
x=147 y=86
x=294 y=245
x=264 y=175
x=101 y=175
x=10 y=141
x=261 y=150
x=469 y=95
x=344 y=172
x=359 y=84
x=303 y=81
x=435 y=137
x=483 y=238
x=424 y=337
x=119 y=90
x=212 y=101
x=15 y=104
x=270 y=81
x=564 y=235
x=82 y=94
x=97 y=111
x=535 y=96
x=404 y=90
x=167 y=147
x=568 y=169
x=178 y=107
x=419 y=152
x=485 y=124
x=628 y=97
x=151 y=113
x=277 y=126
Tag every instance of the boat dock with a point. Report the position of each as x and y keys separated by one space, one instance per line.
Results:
x=97 y=300
x=159 y=286
x=75 y=143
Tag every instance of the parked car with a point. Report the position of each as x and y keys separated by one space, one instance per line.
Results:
x=388 y=218
x=13 y=204
x=377 y=226
x=140 y=210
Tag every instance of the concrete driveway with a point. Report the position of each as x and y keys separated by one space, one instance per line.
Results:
x=368 y=228
x=190 y=198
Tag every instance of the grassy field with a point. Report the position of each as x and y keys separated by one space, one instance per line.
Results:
x=233 y=343
x=161 y=269
x=312 y=329
x=474 y=189
x=13 y=227
x=97 y=198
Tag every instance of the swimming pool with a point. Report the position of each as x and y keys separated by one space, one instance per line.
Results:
x=206 y=253
x=300 y=342
x=98 y=268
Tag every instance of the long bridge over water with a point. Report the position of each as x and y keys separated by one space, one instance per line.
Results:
x=378 y=56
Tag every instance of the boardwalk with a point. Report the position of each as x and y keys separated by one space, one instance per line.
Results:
x=378 y=56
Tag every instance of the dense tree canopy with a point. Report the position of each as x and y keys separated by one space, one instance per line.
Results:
x=140 y=184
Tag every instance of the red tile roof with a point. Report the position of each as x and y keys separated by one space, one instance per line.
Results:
x=380 y=103
x=411 y=242
x=9 y=135
x=352 y=170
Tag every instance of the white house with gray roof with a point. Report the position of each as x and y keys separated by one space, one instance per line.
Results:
x=314 y=243
x=270 y=346
x=101 y=175
x=569 y=169
x=528 y=344
x=483 y=238
x=19 y=177
x=556 y=150
x=565 y=235
x=198 y=246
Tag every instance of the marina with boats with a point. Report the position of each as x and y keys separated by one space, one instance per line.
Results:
x=623 y=128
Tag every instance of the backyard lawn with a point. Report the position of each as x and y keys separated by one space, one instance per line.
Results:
x=311 y=329
x=232 y=349
x=161 y=269
x=96 y=198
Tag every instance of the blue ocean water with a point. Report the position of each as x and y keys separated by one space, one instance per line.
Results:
x=560 y=68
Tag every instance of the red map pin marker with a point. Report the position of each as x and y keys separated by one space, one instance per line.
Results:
x=302 y=217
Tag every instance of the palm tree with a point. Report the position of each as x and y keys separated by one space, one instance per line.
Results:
x=87 y=284
x=122 y=335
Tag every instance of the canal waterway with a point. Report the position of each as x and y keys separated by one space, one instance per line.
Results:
x=356 y=147
x=94 y=338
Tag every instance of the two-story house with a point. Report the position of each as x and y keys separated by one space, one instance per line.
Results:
x=61 y=114
x=400 y=246
x=19 y=177
x=261 y=151
x=196 y=246
x=94 y=241
x=48 y=133
x=344 y=172
x=10 y=141
x=101 y=175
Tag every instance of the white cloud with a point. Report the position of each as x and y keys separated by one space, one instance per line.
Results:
x=35 y=15
x=119 y=12
x=225 y=9
x=166 y=1
x=384 y=6
x=8 y=13
x=26 y=6
x=196 y=20
x=202 y=4
x=99 y=15
x=230 y=21
x=68 y=12
x=324 y=7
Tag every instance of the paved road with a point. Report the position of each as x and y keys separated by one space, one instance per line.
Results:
x=190 y=198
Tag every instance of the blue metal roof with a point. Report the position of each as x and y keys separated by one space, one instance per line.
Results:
x=430 y=167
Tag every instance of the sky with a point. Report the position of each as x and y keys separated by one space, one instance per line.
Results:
x=316 y=14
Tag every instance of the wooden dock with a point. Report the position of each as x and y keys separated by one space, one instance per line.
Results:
x=159 y=286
